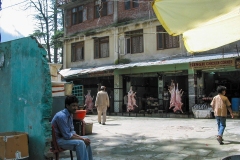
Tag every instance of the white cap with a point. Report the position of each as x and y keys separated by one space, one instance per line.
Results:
x=103 y=87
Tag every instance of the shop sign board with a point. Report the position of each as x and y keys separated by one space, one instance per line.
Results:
x=212 y=64
x=100 y=74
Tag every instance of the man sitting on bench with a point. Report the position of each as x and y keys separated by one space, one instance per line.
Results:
x=65 y=134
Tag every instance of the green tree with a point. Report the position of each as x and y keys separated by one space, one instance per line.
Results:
x=58 y=44
x=47 y=26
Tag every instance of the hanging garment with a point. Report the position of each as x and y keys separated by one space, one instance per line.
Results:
x=178 y=102
x=131 y=101
x=173 y=95
x=89 y=102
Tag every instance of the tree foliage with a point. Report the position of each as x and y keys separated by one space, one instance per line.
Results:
x=55 y=40
x=48 y=26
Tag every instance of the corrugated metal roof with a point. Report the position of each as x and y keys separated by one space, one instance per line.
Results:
x=78 y=71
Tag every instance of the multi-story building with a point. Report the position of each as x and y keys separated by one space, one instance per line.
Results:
x=120 y=43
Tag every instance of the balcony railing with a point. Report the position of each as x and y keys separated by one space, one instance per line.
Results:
x=62 y=2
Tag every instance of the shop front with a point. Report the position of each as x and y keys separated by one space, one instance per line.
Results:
x=195 y=80
x=149 y=85
x=150 y=88
x=86 y=85
x=210 y=75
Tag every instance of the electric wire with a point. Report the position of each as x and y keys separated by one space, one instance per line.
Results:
x=100 y=8
x=14 y=4
x=7 y=7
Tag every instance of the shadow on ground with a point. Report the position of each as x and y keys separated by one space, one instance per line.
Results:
x=138 y=147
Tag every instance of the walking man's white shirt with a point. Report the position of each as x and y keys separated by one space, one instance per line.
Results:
x=102 y=103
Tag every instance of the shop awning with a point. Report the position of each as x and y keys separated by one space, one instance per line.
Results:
x=204 y=24
x=69 y=72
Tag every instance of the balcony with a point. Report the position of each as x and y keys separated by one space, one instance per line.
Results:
x=63 y=2
x=67 y=3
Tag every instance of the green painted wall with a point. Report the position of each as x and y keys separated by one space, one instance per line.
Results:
x=25 y=86
x=149 y=69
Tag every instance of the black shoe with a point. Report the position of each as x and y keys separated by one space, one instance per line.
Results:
x=103 y=124
x=219 y=139
x=222 y=139
x=99 y=122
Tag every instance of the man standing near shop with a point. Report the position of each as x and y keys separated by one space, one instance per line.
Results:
x=102 y=103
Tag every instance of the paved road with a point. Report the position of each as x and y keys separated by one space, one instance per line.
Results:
x=141 y=138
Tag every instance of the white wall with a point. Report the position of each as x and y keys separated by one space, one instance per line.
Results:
x=117 y=46
x=150 y=43
x=89 y=60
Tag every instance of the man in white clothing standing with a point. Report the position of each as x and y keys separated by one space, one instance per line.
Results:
x=102 y=103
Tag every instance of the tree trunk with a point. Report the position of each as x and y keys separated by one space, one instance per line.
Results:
x=55 y=30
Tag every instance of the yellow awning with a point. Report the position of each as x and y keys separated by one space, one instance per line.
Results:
x=204 y=24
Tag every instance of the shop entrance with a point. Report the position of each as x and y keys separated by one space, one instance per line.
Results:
x=230 y=79
x=145 y=86
x=182 y=81
x=92 y=85
x=148 y=90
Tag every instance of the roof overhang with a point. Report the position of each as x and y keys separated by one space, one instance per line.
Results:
x=109 y=69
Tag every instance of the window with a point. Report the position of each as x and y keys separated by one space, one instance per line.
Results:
x=77 y=52
x=128 y=4
x=103 y=8
x=165 y=41
x=79 y=14
x=134 y=41
x=101 y=47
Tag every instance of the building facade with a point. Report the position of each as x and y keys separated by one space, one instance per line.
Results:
x=121 y=44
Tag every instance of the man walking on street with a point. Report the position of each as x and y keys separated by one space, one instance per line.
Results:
x=220 y=105
x=102 y=103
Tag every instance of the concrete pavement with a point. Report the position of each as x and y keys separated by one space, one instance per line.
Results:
x=141 y=138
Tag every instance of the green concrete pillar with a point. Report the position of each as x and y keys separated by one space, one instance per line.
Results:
x=191 y=88
x=118 y=93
